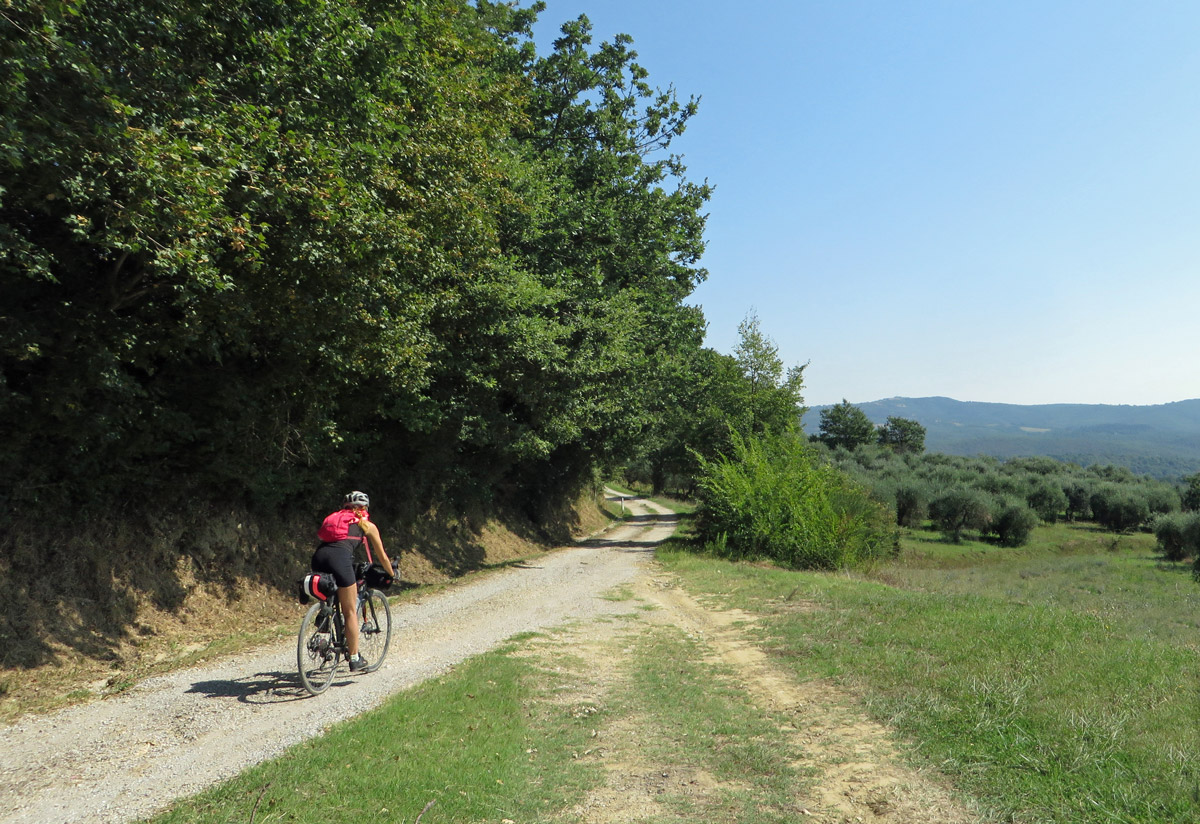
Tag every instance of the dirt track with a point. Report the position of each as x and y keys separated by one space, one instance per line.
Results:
x=126 y=757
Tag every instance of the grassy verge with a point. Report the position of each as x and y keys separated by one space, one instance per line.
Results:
x=1053 y=683
x=484 y=743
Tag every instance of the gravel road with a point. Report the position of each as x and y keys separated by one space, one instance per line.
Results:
x=127 y=757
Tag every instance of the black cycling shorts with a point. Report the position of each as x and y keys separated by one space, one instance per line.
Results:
x=338 y=560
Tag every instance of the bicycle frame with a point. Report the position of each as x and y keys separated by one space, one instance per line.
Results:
x=321 y=643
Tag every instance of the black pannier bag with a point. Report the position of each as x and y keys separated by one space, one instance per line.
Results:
x=375 y=576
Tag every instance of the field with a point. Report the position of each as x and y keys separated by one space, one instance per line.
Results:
x=1056 y=682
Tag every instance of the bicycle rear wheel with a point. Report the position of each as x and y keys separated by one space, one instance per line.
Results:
x=316 y=652
x=374 y=628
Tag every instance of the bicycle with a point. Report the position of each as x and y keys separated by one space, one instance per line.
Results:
x=321 y=644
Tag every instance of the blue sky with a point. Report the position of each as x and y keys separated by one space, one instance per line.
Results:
x=987 y=201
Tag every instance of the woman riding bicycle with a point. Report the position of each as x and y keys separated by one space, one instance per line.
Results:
x=339 y=534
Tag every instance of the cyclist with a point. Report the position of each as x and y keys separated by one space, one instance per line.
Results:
x=339 y=534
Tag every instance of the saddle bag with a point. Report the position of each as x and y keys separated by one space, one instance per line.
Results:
x=316 y=586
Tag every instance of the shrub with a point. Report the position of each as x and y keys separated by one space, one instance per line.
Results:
x=1162 y=499
x=1191 y=535
x=912 y=504
x=1047 y=499
x=770 y=498
x=958 y=509
x=1118 y=508
x=1079 y=496
x=1014 y=524
x=1168 y=530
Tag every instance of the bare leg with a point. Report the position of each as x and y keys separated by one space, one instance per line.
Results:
x=348 y=599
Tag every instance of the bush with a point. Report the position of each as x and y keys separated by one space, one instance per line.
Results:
x=912 y=504
x=1169 y=529
x=958 y=509
x=771 y=499
x=1162 y=499
x=1118 y=508
x=1079 y=496
x=1048 y=500
x=1014 y=524
x=1191 y=535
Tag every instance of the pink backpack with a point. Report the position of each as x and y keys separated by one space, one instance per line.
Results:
x=337 y=526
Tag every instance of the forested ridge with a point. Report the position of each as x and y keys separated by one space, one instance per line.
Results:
x=1161 y=440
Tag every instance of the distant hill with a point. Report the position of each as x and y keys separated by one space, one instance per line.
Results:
x=1162 y=440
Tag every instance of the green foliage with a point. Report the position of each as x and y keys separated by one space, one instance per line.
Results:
x=1169 y=532
x=960 y=508
x=770 y=498
x=1048 y=499
x=770 y=400
x=1178 y=535
x=250 y=248
x=1079 y=499
x=709 y=397
x=1113 y=496
x=912 y=504
x=846 y=426
x=1119 y=508
x=1191 y=493
x=1013 y=524
x=902 y=435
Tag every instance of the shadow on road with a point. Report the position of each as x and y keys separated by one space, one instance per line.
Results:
x=635 y=543
x=260 y=688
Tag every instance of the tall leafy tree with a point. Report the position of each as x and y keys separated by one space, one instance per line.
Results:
x=846 y=425
x=566 y=340
x=772 y=400
x=221 y=222
x=902 y=435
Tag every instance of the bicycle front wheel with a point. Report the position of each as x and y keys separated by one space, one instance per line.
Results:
x=374 y=628
x=316 y=653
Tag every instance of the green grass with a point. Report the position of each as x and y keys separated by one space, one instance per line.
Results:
x=482 y=742
x=1051 y=685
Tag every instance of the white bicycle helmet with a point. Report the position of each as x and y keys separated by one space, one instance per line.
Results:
x=356 y=499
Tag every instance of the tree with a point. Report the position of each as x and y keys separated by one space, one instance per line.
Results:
x=249 y=246
x=708 y=397
x=1047 y=499
x=958 y=509
x=1013 y=524
x=846 y=425
x=771 y=401
x=1169 y=532
x=1191 y=493
x=903 y=436
x=1119 y=508
x=912 y=503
